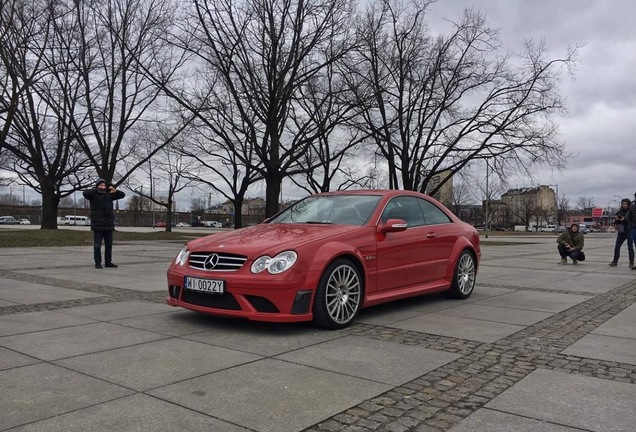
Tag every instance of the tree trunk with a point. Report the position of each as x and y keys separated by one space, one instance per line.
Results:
x=238 y=212
x=272 y=193
x=50 y=202
x=169 y=216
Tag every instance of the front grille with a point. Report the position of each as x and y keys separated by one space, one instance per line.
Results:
x=213 y=261
x=219 y=301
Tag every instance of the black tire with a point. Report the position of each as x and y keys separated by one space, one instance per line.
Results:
x=339 y=295
x=464 y=276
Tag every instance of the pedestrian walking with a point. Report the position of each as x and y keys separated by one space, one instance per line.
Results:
x=103 y=220
x=623 y=224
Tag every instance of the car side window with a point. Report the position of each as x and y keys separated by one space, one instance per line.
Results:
x=432 y=214
x=405 y=208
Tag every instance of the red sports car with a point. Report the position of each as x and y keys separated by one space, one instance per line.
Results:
x=327 y=256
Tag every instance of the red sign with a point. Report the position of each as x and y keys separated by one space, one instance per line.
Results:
x=597 y=212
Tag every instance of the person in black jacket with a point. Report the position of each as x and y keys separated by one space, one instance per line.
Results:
x=623 y=224
x=103 y=220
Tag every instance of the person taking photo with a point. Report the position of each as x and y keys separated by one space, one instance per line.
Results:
x=103 y=220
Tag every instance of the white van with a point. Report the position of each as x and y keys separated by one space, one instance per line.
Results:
x=76 y=220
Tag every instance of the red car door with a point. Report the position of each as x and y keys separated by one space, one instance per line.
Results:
x=405 y=258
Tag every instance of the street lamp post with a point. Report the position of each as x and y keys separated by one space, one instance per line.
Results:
x=487 y=199
x=556 y=207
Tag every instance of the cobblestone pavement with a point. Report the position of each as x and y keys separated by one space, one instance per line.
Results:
x=441 y=399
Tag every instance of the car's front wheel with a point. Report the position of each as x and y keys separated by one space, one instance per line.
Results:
x=338 y=296
x=464 y=277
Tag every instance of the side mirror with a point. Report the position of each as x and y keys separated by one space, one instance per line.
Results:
x=394 y=225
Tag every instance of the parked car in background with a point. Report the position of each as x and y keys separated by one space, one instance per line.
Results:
x=160 y=224
x=326 y=257
x=213 y=224
x=8 y=220
x=24 y=222
x=548 y=228
x=583 y=229
x=183 y=224
x=560 y=229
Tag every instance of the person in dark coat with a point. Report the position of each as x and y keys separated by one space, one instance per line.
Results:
x=103 y=220
x=623 y=224
x=632 y=208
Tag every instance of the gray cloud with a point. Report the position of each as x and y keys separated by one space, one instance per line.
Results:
x=600 y=131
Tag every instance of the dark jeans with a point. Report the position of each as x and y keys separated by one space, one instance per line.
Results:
x=107 y=237
x=565 y=253
x=620 y=239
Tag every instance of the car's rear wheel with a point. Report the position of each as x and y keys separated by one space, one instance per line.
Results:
x=339 y=295
x=464 y=277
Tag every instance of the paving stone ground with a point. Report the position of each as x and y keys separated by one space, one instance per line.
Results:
x=537 y=347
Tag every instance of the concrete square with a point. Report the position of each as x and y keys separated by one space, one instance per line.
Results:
x=399 y=310
x=571 y=400
x=266 y=339
x=496 y=314
x=535 y=300
x=73 y=341
x=458 y=327
x=527 y=278
x=132 y=414
x=37 y=321
x=28 y=293
x=604 y=348
x=4 y=303
x=173 y=360
x=368 y=359
x=10 y=359
x=40 y=391
x=119 y=310
x=621 y=325
x=495 y=421
x=281 y=396
x=177 y=323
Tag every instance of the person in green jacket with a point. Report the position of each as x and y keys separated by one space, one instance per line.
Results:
x=570 y=244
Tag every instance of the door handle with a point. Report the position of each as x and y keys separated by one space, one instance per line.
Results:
x=430 y=235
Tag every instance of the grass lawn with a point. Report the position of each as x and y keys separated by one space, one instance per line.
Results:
x=34 y=238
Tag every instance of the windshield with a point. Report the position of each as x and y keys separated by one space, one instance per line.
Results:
x=330 y=209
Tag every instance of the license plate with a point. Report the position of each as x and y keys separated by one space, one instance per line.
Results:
x=214 y=286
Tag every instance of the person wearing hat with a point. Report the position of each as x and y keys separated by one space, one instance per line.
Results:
x=623 y=224
x=570 y=245
x=103 y=220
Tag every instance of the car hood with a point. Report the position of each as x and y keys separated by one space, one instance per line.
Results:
x=268 y=238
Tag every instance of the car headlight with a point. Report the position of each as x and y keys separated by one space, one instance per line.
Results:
x=182 y=257
x=281 y=262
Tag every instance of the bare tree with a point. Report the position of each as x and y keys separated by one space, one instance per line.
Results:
x=462 y=197
x=137 y=205
x=118 y=43
x=20 y=27
x=41 y=143
x=585 y=204
x=263 y=53
x=169 y=169
x=436 y=103
x=563 y=208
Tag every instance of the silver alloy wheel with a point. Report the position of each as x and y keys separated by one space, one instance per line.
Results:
x=466 y=273
x=343 y=294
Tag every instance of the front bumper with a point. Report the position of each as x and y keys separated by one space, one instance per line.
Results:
x=246 y=296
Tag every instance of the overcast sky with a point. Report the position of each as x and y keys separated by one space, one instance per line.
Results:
x=600 y=129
